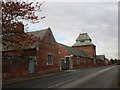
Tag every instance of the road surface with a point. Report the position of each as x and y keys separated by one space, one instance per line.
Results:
x=94 y=77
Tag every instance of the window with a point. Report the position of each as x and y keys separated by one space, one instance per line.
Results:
x=88 y=40
x=82 y=40
x=50 y=59
x=12 y=57
x=6 y=57
x=78 y=60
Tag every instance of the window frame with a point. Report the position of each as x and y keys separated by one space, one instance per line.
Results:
x=49 y=59
x=78 y=60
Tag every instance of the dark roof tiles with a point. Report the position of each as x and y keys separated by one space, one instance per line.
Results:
x=76 y=52
x=83 y=36
x=83 y=39
x=40 y=33
x=83 y=43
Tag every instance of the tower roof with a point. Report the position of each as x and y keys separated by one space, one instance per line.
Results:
x=83 y=36
x=83 y=39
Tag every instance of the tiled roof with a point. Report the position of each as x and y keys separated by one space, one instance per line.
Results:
x=83 y=39
x=76 y=52
x=82 y=43
x=40 y=33
x=83 y=36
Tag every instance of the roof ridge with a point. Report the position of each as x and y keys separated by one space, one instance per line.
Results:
x=39 y=30
x=40 y=33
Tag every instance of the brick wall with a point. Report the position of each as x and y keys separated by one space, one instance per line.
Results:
x=19 y=67
x=89 y=49
x=101 y=63
x=15 y=63
x=84 y=62
x=63 y=52
x=80 y=65
x=47 y=45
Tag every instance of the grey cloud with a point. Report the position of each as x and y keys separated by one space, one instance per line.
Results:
x=98 y=19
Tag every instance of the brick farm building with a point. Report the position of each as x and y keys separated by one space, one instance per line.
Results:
x=47 y=55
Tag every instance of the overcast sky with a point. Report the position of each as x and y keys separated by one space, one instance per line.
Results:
x=68 y=19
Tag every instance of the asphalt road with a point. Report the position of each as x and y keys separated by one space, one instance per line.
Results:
x=95 y=77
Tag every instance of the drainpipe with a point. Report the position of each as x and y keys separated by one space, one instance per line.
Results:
x=94 y=61
x=71 y=62
x=60 y=60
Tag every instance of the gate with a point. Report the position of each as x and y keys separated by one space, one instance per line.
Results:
x=31 y=66
x=65 y=64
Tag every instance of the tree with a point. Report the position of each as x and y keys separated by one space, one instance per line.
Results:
x=112 y=61
x=13 y=13
x=118 y=62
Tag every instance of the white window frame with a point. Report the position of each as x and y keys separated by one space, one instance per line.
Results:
x=49 y=59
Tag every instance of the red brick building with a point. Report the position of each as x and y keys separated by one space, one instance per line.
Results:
x=84 y=42
x=101 y=60
x=74 y=58
x=40 y=58
x=47 y=55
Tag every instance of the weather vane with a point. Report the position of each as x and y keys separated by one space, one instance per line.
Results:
x=83 y=30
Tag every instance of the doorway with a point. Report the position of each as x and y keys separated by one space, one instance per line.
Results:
x=65 y=63
x=31 y=66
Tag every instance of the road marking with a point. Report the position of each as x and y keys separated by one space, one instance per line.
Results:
x=80 y=81
x=106 y=69
x=83 y=79
x=70 y=70
x=61 y=83
x=97 y=73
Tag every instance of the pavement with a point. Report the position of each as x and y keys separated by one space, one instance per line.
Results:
x=95 y=77
x=17 y=80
